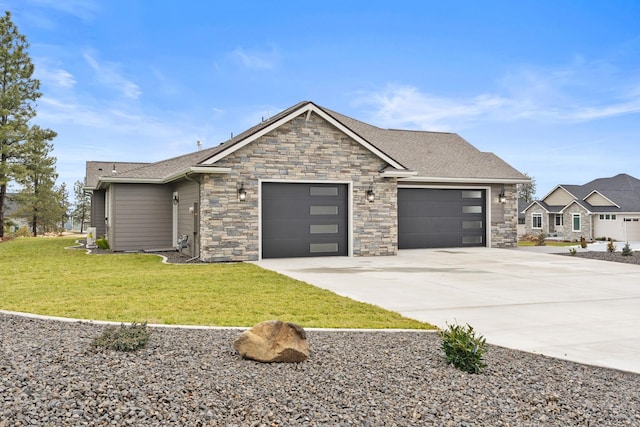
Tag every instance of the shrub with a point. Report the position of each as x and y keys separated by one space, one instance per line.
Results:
x=611 y=247
x=583 y=242
x=123 y=338
x=572 y=251
x=541 y=238
x=626 y=251
x=102 y=243
x=463 y=349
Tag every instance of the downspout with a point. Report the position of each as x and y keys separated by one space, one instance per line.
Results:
x=194 y=232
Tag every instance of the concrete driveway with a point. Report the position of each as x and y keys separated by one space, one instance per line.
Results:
x=571 y=308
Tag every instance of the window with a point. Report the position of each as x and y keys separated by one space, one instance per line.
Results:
x=471 y=209
x=472 y=194
x=323 y=191
x=536 y=220
x=576 y=222
x=613 y=217
x=608 y=217
x=559 y=220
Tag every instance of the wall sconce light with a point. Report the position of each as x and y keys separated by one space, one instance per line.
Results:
x=502 y=198
x=176 y=199
x=242 y=193
x=371 y=196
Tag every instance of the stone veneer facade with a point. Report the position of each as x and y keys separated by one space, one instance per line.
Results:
x=303 y=150
x=504 y=217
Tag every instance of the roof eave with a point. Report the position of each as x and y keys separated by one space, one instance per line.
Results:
x=164 y=180
x=420 y=178
x=398 y=174
x=307 y=108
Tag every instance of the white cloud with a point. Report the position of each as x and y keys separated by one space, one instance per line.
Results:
x=578 y=93
x=86 y=10
x=55 y=76
x=108 y=74
x=407 y=107
x=265 y=59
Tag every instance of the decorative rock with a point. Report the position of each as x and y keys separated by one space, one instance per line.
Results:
x=273 y=341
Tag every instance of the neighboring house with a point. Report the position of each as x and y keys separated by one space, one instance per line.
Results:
x=310 y=182
x=12 y=218
x=522 y=205
x=602 y=208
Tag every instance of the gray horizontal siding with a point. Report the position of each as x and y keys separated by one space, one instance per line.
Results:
x=97 y=212
x=141 y=217
x=189 y=193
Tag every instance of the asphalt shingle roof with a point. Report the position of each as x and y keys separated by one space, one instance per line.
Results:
x=430 y=154
x=622 y=189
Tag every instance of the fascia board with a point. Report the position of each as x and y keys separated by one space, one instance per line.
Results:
x=575 y=202
x=398 y=174
x=164 y=180
x=555 y=188
x=596 y=191
x=195 y=169
x=535 y=202
x=310 y=107
x=466 y=180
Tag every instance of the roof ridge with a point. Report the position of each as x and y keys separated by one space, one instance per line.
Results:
x=421 y=131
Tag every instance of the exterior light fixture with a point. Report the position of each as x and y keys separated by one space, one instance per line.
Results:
x=371 y=196
x=242 y=193
x=176 y=199
x=502 y=198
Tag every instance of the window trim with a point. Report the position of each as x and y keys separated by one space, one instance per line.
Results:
x=559 y=219
x=533 y=221
x=573 y=222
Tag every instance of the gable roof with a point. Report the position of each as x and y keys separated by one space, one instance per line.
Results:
x=436 y=156
x=622 y=190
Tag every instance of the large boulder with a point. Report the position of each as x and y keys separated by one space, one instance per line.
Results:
x=273 y=341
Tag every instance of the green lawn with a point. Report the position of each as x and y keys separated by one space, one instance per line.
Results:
x=38 y=275
x=547 y=243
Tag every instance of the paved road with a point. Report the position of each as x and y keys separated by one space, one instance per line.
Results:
x=572 y=308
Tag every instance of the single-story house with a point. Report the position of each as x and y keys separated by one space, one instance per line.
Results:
x=309 y=182
x=602 y=208
x=13 y=218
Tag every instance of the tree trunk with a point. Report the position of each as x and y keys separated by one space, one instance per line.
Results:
x=34 y=224
x=3 y=198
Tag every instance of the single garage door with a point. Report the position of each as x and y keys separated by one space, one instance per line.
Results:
x=441 y=218
x=632 y=229
x=304 y=220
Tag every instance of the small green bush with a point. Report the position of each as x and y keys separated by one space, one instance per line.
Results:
x=463 y=349
x=611 y=247
x=626 y=251
x=573 y=251
x=541 y=239
x=102 y=243
x=123 y=338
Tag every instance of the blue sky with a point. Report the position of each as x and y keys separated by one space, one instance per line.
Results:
x=552 y=87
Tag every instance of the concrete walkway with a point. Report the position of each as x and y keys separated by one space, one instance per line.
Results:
x=571 y=308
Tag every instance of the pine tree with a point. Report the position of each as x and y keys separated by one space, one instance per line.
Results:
x=18 y=93
x=527 y=192
x=40 y=200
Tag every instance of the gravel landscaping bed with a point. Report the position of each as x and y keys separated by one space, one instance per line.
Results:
x=607 y=256
x=193 y=377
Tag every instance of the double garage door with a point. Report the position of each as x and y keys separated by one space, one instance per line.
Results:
x=302 y=220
